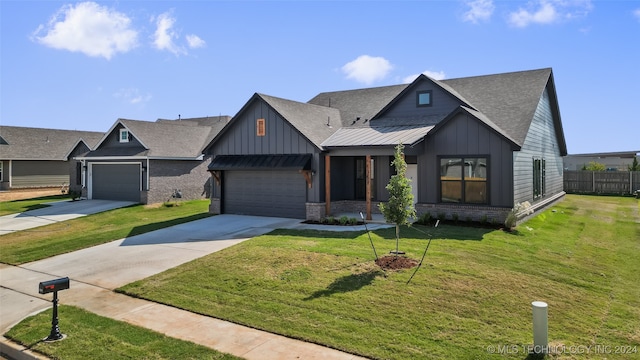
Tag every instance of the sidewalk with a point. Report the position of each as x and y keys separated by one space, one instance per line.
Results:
x=96 y=271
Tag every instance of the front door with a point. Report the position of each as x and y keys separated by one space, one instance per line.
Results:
x=412 y=174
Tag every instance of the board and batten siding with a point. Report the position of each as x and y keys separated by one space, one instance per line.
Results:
x=406 y=107
x=466 y=136
x=281 y=138
x=541 y=142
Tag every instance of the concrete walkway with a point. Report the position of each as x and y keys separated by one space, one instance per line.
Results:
x=56 y=211
x=96 y=271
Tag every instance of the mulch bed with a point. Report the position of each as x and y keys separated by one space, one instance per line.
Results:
x=393 y=262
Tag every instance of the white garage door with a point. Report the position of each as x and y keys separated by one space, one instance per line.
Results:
x=265 y=193
x=116 y=181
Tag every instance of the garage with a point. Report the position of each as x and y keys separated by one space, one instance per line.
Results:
x=116 y=181
x=263 y=185
x=265 y=193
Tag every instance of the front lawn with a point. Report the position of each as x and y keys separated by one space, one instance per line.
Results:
x=471 y=297
x=90 y=336
x=66 y=236
x=18 y=206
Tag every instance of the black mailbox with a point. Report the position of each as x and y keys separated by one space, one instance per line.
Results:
x=54 y=285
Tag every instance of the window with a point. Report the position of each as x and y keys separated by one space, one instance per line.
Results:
x=124 y=136
x=463 y=180
x=539 y=183
x=78 y=173
x=0 y=170
x=423 y=98
x=261 y=128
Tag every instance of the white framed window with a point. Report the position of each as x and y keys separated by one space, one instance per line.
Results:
x=124 y=136
x=1 y=170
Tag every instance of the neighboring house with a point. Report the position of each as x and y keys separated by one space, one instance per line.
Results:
x=613 y=161
x=151 y=162
x=36 y=157
x=475 y=147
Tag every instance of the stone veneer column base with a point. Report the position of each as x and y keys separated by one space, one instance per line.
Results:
x=214 y=206
x=315 y=211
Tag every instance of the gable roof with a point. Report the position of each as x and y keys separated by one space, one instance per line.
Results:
x=314 y=122
x=163 y=139
x=26 y=143
x=359 y=103
x=508 y=99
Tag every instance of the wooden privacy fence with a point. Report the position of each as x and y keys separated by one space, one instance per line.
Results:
x=601 y=182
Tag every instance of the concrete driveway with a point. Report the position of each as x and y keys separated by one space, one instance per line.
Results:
x=111 y=265
x=55 y=212
x=96 y=271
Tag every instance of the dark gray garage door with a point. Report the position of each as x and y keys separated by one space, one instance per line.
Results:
x=116 y=182
x=265 y=193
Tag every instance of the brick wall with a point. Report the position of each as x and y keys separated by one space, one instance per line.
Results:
x=190 y=177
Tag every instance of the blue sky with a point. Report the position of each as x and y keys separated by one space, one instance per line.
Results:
x=83 y=65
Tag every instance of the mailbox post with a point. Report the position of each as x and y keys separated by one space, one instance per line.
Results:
x=53 y=286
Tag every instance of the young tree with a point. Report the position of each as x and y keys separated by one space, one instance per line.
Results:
x=634 y=166
x=399 y=209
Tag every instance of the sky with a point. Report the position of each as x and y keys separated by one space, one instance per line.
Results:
x=83 y=65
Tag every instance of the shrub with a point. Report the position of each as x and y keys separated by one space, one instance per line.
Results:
x=442 y=216
x=424 y=219
x=353 y=221
x=344 y=220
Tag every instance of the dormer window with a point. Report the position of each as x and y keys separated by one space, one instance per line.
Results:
x=124 y=136
x=423 y=98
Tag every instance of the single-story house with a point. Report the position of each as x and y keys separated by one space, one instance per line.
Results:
x=150 y=162
x=613 y=161
x=475 y=147
x=37 y=157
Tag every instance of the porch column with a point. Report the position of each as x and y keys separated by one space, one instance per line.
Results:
x=327 y=184
x=368 y=186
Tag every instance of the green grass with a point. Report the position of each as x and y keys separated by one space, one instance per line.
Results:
x=90 y=336
x=474 y=289
x=18 y=206
x=62 y=237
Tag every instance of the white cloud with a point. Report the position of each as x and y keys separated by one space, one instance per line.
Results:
x=88 y=28
x=132 y=96
x=636 y=13
x=437 y=75
x=550 y=11
x=195 y=41
x=367 y=69
x=480 y=10
x=163 y=38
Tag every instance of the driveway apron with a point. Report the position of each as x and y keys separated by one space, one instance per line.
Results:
x=96 y=271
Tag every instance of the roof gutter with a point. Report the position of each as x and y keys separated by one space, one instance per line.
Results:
x=198 y=158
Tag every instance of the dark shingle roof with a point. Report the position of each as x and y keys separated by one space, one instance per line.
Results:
x=25 y=143
x=165 y=139
x=359 y=103
x=310 y=119
x=509 y=100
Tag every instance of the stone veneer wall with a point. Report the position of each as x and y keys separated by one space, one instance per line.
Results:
x=167 y=176
x=464 y=212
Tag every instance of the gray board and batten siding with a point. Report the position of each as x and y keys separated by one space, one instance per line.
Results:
x=539 y=143
x=281 y=138
x=465 y=136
